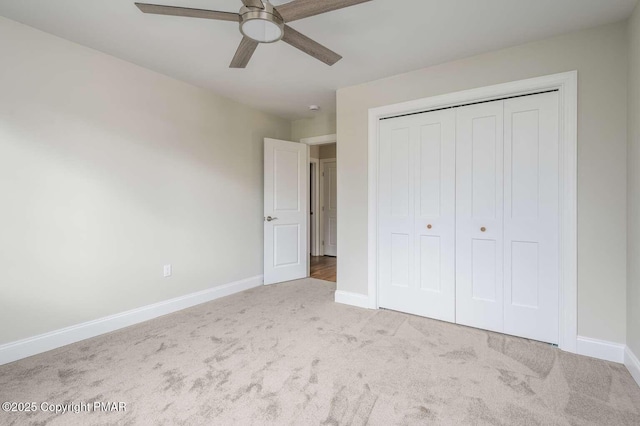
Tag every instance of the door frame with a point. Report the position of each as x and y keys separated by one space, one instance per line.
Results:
x=314 y=221
x=323 y=161
x=567 y=86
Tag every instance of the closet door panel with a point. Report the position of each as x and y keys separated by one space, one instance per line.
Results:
x=435 y=213
x=531 y=222
x=479 y=216
x=416 y=215
x=396 y=212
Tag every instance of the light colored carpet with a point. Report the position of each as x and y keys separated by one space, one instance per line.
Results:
x=287 y=354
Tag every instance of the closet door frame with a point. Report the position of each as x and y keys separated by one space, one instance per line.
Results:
x=567 y=86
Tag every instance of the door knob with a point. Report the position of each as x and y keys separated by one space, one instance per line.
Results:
x=269 y=218
x=429 y=226
x=483 y=229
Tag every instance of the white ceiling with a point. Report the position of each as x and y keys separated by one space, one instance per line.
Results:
x=377 y=39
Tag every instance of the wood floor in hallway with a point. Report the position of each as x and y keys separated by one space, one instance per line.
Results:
x=324 y=268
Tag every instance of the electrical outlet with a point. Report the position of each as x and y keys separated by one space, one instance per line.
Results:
x=167 y=271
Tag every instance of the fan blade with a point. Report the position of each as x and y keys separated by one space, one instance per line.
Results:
x=310 y=47
x=299 y=9
x=190 y=13
x=244 y=53
x=253 y=3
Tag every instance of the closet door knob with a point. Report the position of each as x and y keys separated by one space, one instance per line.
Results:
x=429 y=226
x=483 y=229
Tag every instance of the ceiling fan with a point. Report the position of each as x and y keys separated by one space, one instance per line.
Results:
x=261 y=22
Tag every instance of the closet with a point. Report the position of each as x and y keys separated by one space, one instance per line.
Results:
x=468 y=215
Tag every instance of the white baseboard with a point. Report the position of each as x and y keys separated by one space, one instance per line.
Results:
x=45 y=342
x=353 y=299
x=633 y=364
x=601 y=349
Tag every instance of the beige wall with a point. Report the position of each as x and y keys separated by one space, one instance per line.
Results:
x=107 y=172
x=633 y=158
x=323 y=152
x=328 y=151
x=600 y=56
x=318 y=125
x=314 y=151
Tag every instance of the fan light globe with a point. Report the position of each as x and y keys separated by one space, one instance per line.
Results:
x=261 y=25
x=261 y=30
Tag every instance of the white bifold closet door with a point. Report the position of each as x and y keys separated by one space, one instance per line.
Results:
x=468 y=215
x=416 y=216
x=479 y=216
x=507 y=216
x=532 y=217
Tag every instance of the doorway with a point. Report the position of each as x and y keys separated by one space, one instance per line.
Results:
x=323 y=209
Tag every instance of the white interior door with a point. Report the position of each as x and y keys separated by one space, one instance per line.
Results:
x=531 y=217
x=330 y=208
x=286 y=188
x=416 y=221
x=479 y=216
